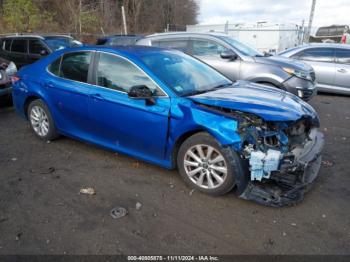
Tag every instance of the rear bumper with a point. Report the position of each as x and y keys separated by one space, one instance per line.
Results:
x=300 y=87
x=288 y=186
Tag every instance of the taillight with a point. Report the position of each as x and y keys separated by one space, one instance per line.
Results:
x=15 y=78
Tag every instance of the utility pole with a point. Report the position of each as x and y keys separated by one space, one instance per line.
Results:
x=79 y=18
x=124 y=21
x=311 y=18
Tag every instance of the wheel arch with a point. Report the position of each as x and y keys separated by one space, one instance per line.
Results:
x=27 y=102
x=182 y=138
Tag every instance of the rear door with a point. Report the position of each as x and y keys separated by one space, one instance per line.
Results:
x=69 y=91
x=124 y=123
x=181 y=44
x=19 y=52
x=322 y=61
x=342 y=75
x=37 y=50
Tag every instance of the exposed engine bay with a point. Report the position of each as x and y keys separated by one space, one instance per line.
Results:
x=282 y=158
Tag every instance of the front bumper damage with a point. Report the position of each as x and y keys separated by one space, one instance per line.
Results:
x=288 y=184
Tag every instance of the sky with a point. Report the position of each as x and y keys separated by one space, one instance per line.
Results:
x=327 y=12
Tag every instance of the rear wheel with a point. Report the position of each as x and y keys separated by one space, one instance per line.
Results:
x=207 y=166
x=41 y=121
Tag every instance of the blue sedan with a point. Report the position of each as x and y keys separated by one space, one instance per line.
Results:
x=167 y=108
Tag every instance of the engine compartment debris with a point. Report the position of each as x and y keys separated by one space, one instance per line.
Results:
x=281 y=158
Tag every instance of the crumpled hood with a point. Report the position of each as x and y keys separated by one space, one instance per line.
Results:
x=284 y=62
x=269 y=103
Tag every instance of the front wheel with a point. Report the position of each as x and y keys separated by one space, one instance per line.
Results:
x=206 y=165
x=41 y=120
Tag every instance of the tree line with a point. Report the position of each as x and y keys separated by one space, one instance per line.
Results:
x=82 y=17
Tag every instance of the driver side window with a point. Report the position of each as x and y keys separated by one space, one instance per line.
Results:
x=207 y=48
x=116 y=73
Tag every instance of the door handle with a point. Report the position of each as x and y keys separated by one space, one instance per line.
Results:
x=342 y=70
x=97 y=97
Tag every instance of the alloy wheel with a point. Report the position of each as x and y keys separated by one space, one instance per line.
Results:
x=39 y=121
x=205 y=166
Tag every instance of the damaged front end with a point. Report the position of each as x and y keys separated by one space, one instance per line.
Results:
x=284 y=158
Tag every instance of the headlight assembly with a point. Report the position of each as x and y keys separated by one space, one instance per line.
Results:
x=11 y=69
x=298 y=73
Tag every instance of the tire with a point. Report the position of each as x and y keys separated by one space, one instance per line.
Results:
x=189 y=170
x=41 y=121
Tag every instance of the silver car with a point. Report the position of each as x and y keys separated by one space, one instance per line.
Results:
x=331 y=63
x=239 y=61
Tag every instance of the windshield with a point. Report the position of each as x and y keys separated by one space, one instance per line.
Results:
x=57 y=43
x=241 y=47
x=184 y=74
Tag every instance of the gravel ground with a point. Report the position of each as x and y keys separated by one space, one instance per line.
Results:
x=42 y=212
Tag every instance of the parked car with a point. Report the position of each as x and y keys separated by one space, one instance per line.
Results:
x=345 y=39
x=7 y=70
x=329 y=34
x=237 y=60
x=170 y=109
x=26 y=49
x=331 y=63
x=118 y=40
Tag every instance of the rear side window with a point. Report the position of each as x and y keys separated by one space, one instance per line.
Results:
x=36 y=47
x=19 y=45
x=55 y=67
x=207 y=48
x=75 y=66
x=179 y=44
x=342 y=56
x=316 y=55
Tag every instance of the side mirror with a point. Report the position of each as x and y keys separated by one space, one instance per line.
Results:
x=228 y=55
x=142 y=92
x=43 y=52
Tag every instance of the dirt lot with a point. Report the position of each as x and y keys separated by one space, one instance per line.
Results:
x=42 y=212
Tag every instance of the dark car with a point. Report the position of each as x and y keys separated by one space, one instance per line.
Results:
x=239 y=61
x=170 y=109
x=26 y=49
x=119 y=40
x=7 y=70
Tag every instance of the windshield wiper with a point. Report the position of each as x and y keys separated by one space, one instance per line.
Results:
x=198 y=92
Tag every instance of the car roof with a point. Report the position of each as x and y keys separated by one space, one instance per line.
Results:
x=315 y=45
x=24 y=36
x=36 y=36
x=121 y=36
x=128 y=50
x=214 y=34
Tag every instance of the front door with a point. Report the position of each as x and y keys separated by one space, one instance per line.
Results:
x=123 y=123
x=210 y=53
x=36 y=50
x=342 y=74
x=322 y=61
